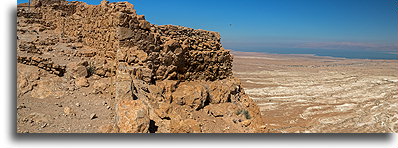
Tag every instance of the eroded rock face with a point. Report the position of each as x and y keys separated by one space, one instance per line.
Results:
x=166 y=78
x=194 y=96
x=181 y=107
x=133 y=116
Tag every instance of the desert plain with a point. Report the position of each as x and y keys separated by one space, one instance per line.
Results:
x=314 y=94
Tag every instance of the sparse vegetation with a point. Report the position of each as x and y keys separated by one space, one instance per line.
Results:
x=90 y=69
x=244 y=112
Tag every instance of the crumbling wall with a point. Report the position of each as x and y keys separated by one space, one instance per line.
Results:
x=167 y=78
x=171 y=52
x=205 y=58
x=92 y=25
x=43 y=63
x=150 y=52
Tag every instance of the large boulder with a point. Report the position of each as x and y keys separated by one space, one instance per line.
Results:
x=76 y=69
x=225 y=91
x=133 y=116
x=192 y=94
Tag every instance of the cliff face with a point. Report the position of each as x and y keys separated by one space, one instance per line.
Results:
x=164 y=78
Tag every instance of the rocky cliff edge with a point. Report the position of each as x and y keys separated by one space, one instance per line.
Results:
x=164 y=79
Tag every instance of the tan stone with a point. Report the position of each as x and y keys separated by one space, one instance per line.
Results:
x=246 y=123
x=163 y=110
x=39 y=117
x=100 y=86
x=186 y=126
x=88 y=52
x=48 y=88
x=77 y=70
x=145 y=25
x=170 y=45
x=192 y=94
x=82 y=82
x=132 y=116
x=221 y=110
x=69 y=112
x=108 y=128
x=180 y=78
x=125 y=33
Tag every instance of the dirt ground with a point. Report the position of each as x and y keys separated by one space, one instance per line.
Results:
x=47 y=103
x=295 y=93
x=310 y=94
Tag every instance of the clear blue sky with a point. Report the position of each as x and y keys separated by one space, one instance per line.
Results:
x=323 y=24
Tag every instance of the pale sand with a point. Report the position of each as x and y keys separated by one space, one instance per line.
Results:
x=306 y=93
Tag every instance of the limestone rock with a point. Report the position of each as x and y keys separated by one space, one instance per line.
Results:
x=163 y=110
x=93 y=116
x=190 y=94
x=221 y=110
x=48 y=88
x=132 y=116
x=99 y=86
x=39 y=117
x=77 y=70
x=246 y=123
x=87 y=52
x=186 y=126
x=225 y=91
x=82 y=82
x=164 y=78
x=69 y=112
x=145 y=25
x=107 y=128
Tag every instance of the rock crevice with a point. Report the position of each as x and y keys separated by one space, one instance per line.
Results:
x=167 y=78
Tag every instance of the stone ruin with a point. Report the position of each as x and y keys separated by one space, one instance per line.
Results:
x=168 y=79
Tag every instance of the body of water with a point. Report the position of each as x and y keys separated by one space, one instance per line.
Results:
x=350 y=54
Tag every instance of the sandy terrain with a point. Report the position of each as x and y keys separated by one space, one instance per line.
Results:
x=310 y=94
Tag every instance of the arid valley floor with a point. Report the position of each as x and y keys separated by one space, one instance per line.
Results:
x=105 y=69
x=310 y=94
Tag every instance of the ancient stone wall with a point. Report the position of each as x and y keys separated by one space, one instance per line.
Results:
x=151 y=52
x=167 y=78
x=43 y=63
x=92 y=25
x=205 y=59
x=172 y=52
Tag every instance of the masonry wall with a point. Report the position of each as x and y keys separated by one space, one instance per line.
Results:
x=149 y=52
x=170 y=52
x=163 y=78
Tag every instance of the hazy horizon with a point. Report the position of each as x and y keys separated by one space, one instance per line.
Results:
x=356 y=25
